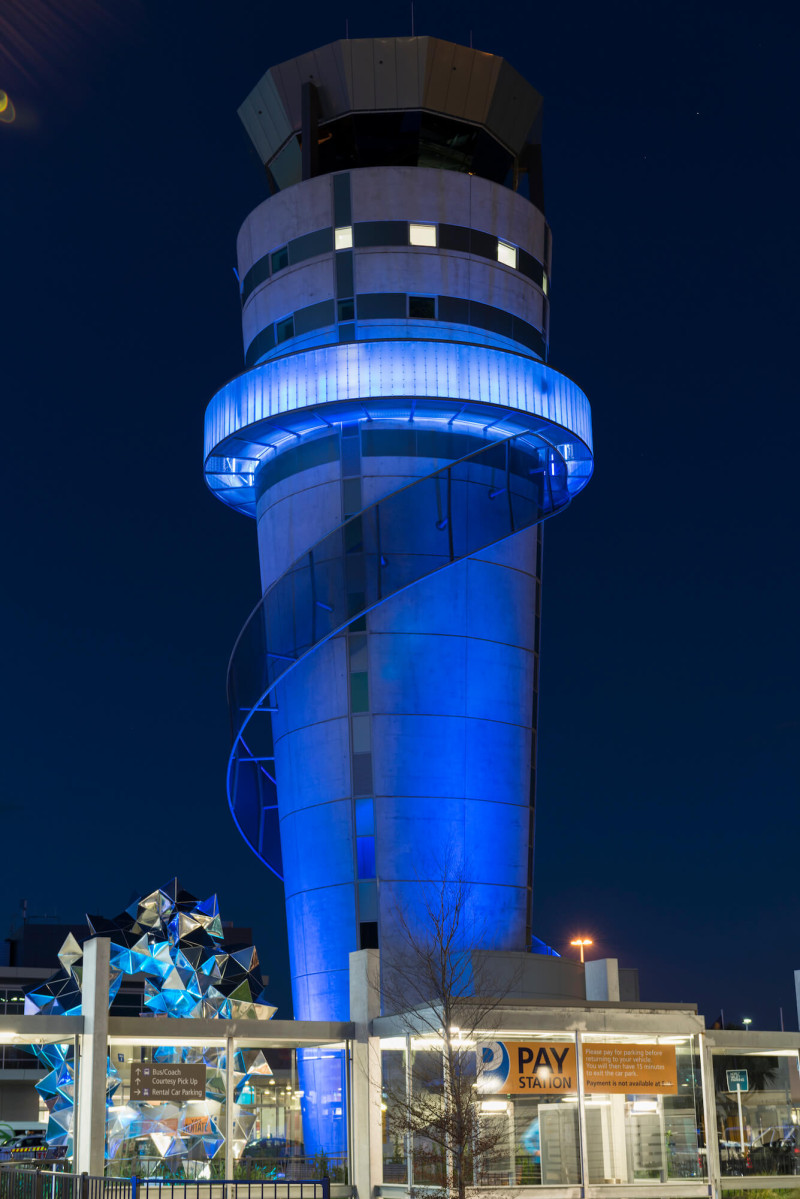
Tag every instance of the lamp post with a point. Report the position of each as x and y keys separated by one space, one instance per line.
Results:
x=747 y=1021
x=581 y=941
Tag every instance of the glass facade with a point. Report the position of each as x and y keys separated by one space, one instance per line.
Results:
x=548 y=1110
x=757 y=1100
x=266 y=1122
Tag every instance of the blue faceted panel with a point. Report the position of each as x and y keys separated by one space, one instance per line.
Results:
x=177 y=942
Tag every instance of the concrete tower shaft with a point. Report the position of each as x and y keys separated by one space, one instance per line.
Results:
x=399 y=440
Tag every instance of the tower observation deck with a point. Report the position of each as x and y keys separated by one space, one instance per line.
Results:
x=399 y=438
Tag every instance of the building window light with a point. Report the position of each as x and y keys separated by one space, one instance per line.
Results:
x=506 y=253
x=343 y=237
x=545 y=284
x=421 y=235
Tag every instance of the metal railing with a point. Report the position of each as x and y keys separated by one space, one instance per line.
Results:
x=35 y=1182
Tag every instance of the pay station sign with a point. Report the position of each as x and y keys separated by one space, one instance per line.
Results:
x=167 y=1082
x=549 y=1068
x=527 y=1068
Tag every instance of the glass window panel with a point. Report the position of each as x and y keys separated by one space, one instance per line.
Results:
x=284 y=329
x=422 y=307
x=365 y=817
x=341 y=200
x=637 y=1129
x=280 y=259
x=310 y=245
x=506 y=253
x=766 y=1140
x=427 y=1095
x=358 y=652
x=365 y=856
x=362 y=774
x=395 y=1159
x=343 y=237
x=359 y=691
x=362 y=741
x=344 y=273
x=351 y=496
x=422 y=235
x=368 y=901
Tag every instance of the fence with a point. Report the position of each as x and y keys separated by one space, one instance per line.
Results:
x=18 y=1182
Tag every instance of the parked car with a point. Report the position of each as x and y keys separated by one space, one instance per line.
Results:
x=776 y=1150
x=31 y=1146
x=269 y=1148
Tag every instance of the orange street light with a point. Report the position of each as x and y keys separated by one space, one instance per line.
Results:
x=582 y=941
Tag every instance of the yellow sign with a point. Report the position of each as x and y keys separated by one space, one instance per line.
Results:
x=627 y=1069
x=527 y=1068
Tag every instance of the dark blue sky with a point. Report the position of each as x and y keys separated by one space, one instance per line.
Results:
x=667 y=825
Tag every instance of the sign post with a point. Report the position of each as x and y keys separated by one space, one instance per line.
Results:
x=738 y=1081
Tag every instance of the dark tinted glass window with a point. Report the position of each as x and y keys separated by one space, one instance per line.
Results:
x=484 y=244
x=530 y=267
x=452 y=308
x=380 y=233
x=258 y=272
x=368 y=931
x=381 y=305
x=315 y=316
x=280 y=259
x=493 y=319
x=262 y=343
x=284 y=329
x=346 y=310
x=454 y=237
x=310 y=245
x=422 y=307
x=414 y=138
x=344 y=273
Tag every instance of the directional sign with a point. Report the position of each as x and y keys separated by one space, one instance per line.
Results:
x=737 y=1080
x=167 y=1082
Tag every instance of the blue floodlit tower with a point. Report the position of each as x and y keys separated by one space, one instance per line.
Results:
x=399 y=439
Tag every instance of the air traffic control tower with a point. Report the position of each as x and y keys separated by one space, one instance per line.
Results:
x=398 y=438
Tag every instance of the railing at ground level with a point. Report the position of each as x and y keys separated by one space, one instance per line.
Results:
x=17 y=1182
x=291 y=1168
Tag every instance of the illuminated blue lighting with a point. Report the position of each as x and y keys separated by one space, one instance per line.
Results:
x=454 y=385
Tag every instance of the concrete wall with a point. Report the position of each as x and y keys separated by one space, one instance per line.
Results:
x=443 y=746
x=394 y=194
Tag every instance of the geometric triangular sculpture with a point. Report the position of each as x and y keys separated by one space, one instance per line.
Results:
x=177 y=942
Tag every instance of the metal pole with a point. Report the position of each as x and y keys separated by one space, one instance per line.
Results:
x=348 y=1075
x=741 y=1122
x=229 y=1160
x=582 y=1137
x=710 y=1117
x=409 y=1140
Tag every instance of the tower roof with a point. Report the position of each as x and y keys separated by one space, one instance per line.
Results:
x=396 y=74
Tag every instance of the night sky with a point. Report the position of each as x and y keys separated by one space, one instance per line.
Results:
x=669 y=759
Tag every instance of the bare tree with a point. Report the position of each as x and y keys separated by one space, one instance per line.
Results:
x=437 y=981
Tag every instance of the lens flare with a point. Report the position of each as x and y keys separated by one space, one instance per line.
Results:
x=7 y=109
